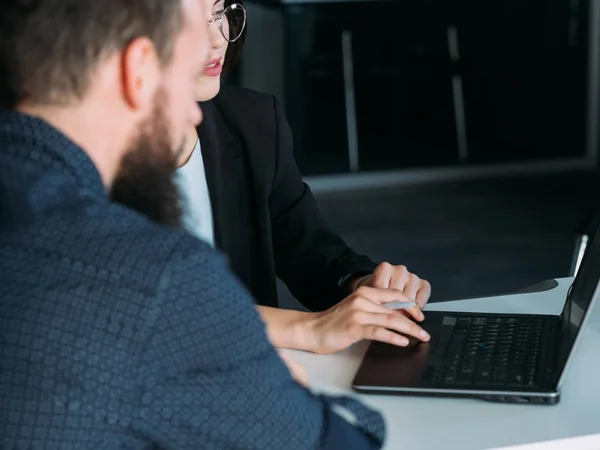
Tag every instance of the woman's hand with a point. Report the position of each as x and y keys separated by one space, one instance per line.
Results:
x=362 y=315
x=387 y=276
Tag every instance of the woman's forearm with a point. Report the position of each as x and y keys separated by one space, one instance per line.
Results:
x=287 y=328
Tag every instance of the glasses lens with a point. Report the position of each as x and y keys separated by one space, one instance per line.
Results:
x=234 y=21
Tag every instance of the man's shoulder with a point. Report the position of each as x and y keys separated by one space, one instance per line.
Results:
x=107 y=239
x=139 y=241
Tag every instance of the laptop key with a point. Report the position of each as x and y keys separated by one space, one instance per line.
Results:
x=457 y=343
x=499 y=374
x=449 y=377
x=464 y=377
x=433 y=375
x=439 y=350
x=515 y=376
x=449 y=321
x=482 y=377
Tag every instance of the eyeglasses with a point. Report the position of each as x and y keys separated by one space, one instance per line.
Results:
x=231 y=22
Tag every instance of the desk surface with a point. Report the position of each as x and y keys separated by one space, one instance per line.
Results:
x=423 y=422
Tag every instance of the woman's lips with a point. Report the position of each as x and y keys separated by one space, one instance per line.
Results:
x=213 y=68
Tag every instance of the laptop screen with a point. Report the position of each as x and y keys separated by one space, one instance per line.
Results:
x=579 y=298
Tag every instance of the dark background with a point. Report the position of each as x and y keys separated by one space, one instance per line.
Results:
x=523 y=74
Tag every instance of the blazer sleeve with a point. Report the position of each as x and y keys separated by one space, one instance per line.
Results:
x=210 y=379
x=310 y=257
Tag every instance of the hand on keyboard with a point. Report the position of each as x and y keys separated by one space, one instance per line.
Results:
x=387 y=276
x=363 y=315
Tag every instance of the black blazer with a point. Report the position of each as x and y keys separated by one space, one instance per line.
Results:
x=265 y=217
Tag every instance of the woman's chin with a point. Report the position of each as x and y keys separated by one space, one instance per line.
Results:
x=208 y=90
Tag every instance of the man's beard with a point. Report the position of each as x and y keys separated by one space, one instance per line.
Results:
x=145 y=181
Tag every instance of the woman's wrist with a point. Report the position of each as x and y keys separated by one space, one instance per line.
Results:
x=306 y=331
x=288 y=328
x=295 y=332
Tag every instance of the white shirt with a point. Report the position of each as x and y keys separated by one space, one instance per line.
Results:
x=195 y=198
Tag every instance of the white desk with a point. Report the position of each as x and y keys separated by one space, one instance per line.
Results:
x=438 y=423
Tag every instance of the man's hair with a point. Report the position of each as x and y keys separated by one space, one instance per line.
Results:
x=234 y=49
x=49 y=49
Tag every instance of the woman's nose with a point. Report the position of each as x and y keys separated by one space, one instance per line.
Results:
x=216 y=37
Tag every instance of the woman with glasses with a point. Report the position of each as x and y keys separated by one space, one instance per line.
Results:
x=243 y=194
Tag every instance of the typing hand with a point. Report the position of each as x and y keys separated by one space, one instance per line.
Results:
x=387 y=276
x=363 y=315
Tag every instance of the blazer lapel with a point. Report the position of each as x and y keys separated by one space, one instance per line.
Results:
x=214 y=138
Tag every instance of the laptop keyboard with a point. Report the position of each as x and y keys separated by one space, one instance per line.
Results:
x=487 y=351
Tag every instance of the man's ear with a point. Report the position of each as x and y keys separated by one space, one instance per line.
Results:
x=140 y=72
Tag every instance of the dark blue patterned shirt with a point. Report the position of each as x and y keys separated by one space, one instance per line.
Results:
x=117 y=333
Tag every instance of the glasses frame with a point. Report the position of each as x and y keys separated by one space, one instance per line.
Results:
x=219 y=20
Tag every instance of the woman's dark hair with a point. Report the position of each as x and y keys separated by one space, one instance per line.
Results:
x=235 y=48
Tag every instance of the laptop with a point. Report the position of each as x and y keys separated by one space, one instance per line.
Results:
x=514 y=358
